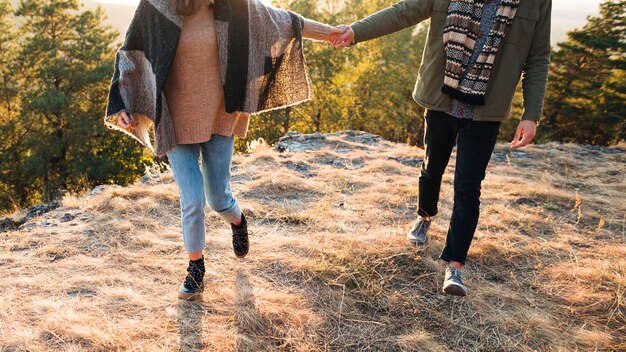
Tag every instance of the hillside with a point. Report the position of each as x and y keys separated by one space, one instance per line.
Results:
x=329 y=268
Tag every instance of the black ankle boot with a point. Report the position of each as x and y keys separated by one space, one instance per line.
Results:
x=240 y=238
x=193 y=285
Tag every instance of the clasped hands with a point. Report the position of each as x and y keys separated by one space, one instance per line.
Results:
x=341 y=36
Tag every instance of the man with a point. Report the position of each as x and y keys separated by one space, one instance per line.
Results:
x=475 y=54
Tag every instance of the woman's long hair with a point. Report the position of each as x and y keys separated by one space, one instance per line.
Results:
x=188 y=7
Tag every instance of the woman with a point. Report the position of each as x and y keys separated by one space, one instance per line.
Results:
x=190 y=69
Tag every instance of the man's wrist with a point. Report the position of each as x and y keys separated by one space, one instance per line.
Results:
x=535 y=121
x=355 y=31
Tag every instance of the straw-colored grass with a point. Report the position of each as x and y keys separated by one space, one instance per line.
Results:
x=329 y=268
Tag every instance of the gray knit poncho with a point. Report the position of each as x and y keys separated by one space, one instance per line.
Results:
x=261 y=60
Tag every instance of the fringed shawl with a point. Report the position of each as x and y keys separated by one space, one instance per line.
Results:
x=261 y=61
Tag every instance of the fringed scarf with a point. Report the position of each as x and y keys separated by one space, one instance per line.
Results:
x=261 y=61
x=461 y=31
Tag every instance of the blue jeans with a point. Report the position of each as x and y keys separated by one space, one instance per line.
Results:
x=202 y=172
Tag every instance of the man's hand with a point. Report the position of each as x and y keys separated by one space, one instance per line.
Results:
x=526 y=131
x=127 y=121
x=335 y=32
x=345 y=39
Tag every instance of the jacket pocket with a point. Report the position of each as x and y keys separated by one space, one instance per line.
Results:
x=523 y=27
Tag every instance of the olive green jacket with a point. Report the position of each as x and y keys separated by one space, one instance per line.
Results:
x=526 y=49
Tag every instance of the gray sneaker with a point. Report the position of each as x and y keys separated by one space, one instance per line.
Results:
x=453 y=284
x=417 y=235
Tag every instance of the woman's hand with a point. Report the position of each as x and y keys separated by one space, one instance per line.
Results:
x=336 y=32
x=127 y=121
x=344 y=39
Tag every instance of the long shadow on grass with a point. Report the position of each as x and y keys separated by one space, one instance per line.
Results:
x=247 y=317
x=190 y=325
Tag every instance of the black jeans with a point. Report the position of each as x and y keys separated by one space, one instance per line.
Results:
x=476 y=141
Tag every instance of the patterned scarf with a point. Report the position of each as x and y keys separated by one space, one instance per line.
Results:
x=464 y=82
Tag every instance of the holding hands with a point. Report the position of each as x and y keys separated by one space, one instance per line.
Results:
x=345 y=38
x=340 y=36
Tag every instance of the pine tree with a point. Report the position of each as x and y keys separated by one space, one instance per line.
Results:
x=587 y=89
x=64 y=61
x=11 y=130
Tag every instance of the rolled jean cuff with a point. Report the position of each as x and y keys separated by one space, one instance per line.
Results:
x=232 y=214
x=195 y=248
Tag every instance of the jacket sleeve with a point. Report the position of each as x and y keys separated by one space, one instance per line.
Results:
x=535 y=74
x=402 y=15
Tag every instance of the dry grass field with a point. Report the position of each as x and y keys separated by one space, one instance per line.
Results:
x=329 y=268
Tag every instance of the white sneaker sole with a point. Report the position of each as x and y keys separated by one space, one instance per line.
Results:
x=189 y=297
x=186 y=296
x=414 y=241
x=455 y=290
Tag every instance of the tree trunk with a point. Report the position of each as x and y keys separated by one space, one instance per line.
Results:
x=287 y=120
x=318 y=121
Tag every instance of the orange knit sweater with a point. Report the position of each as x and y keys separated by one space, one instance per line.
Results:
x=193 y=89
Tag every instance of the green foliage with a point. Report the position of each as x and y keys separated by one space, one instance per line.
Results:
x=8 y=94
x=55 y=79
x=587 y=90
x=367 y=87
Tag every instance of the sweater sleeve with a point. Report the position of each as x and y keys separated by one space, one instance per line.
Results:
x=402 y=15
x=315 y=30
x=535 y=79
